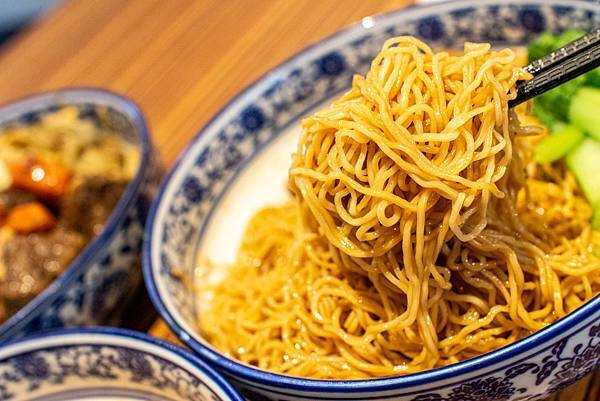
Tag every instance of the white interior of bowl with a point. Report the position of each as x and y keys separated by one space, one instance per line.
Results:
x=262 y=183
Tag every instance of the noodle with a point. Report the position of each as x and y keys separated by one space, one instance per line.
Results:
x=419 y=235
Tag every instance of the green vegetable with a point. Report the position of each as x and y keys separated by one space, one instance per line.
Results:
x=546 y=117
x=553 y=106
x=558 y=144
x=584 y=111
x=576 y=103
x=592 y=78
x=548 y=42
x=584 y=162
x=596 y=222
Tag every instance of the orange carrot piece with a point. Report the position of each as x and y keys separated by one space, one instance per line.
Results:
x=30 y=217
x=43 y=178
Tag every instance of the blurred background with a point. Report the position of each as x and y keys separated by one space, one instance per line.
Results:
x=17 y=14
x=180 y=60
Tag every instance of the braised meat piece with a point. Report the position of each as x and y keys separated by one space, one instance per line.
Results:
x=86 y=208
x=32 y=261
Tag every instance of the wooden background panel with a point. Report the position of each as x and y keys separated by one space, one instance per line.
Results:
x=180 y=60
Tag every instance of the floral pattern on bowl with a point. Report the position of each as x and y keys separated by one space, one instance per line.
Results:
x=80 y=364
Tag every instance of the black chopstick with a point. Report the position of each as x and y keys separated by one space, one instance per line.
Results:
x=564 y=52
x=558 y=67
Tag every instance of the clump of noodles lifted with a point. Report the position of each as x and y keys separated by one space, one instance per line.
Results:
x=418 y=236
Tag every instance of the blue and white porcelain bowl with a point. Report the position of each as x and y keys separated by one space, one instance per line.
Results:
x=106 y=364
x=239 y=162
x=102 y=277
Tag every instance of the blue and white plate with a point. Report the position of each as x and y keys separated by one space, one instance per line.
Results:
x=106 y=364
x=94 y=288
x=238 y=163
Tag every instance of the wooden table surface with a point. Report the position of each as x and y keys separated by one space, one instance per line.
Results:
x=180 y=60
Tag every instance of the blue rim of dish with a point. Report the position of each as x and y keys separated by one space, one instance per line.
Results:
x=94 y=96
x=254 y=375
x=137 y=336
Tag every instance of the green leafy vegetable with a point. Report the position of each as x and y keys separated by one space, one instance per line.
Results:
x=584 y=162
x=584 y=111
x=553 y=106
x=596 y=223
x=548 y=42
x=557 y=145
x=570 y=111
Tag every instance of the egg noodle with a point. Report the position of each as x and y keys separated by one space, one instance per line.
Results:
x=420 y=232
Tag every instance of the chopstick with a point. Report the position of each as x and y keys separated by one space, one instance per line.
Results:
x=564 y=52
x=570 y=61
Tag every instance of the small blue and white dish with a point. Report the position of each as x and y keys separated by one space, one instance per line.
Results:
x=106 y=364
x=96 y=284
x=238 y=163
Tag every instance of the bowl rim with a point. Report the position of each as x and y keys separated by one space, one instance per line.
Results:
x=270 y=380
x=95 y=96
x=135 y=339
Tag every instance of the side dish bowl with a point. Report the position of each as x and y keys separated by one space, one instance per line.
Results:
x=102 y=276
x=107 y=364
x=238 y=162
